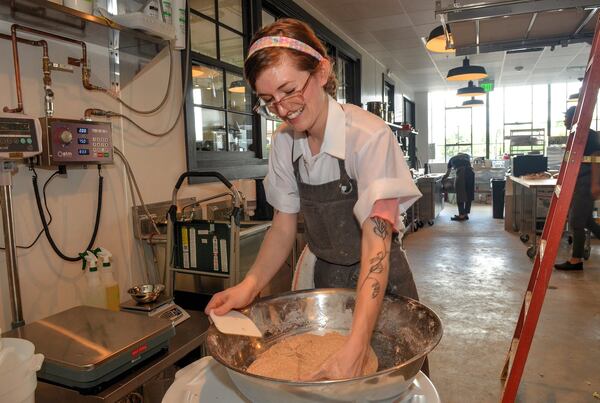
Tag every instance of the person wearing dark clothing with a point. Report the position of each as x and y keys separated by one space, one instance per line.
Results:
x=584 y=195
x=464 y=184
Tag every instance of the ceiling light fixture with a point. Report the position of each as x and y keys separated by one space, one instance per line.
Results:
x=438 y=42
x=470 y=91
x=472 y=102
x=197 y=72
x=573 y=97
x=466 y=72
x=237 y=87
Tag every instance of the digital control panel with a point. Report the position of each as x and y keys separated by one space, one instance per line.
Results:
x=76 y=142
x=20 y=136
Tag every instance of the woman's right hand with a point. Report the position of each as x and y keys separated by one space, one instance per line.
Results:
x=234 y=297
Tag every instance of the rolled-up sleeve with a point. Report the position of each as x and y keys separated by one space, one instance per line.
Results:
x=382 y=173
x=281 y=189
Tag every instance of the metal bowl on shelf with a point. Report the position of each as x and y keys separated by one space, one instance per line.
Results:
x=405 y=333
x=145 y=293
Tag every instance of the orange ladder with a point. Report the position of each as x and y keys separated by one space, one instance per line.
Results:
x=553 y=228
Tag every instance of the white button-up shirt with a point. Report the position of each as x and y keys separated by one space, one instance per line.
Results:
x=371 y=154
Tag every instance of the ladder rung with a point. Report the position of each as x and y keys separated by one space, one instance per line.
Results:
x=527 y=301
x=567 y=156
x=557 y=190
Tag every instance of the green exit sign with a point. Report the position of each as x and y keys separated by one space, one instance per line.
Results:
x=487 y=85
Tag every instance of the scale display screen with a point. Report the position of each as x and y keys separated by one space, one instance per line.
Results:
x=82 y=140
x=84 y=151
x=18 y=135
x=82 y=130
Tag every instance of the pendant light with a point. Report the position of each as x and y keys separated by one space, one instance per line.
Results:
x=198 y=72
x=470 y=91
x=237 y=87
x=472 y=102
x=573 y=97
x=436 y=41
x=466 y=72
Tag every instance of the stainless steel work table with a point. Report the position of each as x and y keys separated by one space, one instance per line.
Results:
x=189 y=336
x=528 y=195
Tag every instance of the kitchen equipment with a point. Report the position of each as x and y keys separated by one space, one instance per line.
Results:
x=75 y=142
x=208 y=379
x=146 y=292
x=404 y=334
x=235 y=322
x=85 y=347
x=529 y=164
x=163 y=307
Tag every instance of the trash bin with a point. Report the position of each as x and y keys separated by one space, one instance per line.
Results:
x=498 y=188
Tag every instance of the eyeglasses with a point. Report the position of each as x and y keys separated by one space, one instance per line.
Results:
x=291 y=103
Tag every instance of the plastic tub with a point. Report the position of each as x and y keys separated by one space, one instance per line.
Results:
x=18 y=367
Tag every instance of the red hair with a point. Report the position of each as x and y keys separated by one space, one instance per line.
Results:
x=266 y=57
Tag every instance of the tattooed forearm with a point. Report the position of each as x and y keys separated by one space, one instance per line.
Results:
x=377 y=263
x=379 y=227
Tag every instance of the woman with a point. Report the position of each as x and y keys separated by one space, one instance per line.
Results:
x=464 y=184
x=342 y=168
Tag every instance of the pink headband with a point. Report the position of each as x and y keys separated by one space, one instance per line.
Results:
x=283 y=42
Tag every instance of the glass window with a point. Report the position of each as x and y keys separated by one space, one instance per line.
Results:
x=239 y=132
x=207 y=86
x=203 y=36
x=518 y=105
x=206 y=7
x=230 y=14
x=558 y=106
x=210 y=129
x=238 y=94
x=231 y=46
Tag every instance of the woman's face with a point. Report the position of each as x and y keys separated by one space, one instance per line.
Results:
x=301 y=91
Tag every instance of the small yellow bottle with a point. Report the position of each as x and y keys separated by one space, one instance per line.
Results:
x=111 y=287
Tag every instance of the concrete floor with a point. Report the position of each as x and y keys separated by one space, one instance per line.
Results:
x=473 y=274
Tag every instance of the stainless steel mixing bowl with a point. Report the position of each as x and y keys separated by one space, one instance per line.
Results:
x=405 y=333
x=143 y=294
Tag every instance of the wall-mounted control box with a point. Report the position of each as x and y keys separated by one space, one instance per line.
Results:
x=75 y=142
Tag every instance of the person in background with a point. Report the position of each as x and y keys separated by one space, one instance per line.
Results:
x=342 y=168
x=587 y=190
x=464 y=184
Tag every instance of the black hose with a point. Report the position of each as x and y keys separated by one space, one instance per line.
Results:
x=56 y=249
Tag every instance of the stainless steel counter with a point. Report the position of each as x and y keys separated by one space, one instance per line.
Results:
x=189 y=336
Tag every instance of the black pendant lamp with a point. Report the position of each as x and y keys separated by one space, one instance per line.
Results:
x=466 y=72
x=470 y=91
x=472 y=102
x=573 y=97
x=436 y=41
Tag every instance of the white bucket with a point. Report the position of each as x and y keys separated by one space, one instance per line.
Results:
x=18 y=367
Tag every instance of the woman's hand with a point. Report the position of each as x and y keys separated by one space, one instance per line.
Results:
x=234 y=297
x=348 y=362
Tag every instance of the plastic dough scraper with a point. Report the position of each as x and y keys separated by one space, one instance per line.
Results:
x=235 y=322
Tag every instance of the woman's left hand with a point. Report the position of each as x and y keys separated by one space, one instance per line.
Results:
x=348 y=362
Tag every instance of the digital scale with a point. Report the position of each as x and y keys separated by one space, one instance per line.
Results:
x=85 y=347
x=163 y=307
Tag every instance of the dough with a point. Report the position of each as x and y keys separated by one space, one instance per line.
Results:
x=295 y=357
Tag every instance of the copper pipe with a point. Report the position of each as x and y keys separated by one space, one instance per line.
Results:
x=85 y=71
x=15 y=50
x=47 y=79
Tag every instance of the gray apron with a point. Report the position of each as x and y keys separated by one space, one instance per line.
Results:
x=464 y=184
x=334 y=236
